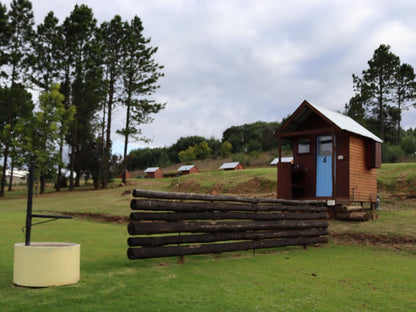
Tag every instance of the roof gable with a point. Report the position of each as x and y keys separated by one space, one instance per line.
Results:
x=186 y=168
x=151 y=169
x=343 y=122
x=230 y=165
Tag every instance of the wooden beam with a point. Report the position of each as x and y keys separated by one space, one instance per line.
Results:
x=201 y=227
x=201 y=206
x=221 y=236
x=205 y=197
x=169 y=251
x=165 y=216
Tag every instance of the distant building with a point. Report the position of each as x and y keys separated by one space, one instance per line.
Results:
x=231 y=166
x=154 y=173
x=19 y=176
x=284 y=160
x=188 y=169
x=120 y=176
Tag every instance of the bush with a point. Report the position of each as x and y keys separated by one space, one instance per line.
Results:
x=391 y=153
x=408 y=144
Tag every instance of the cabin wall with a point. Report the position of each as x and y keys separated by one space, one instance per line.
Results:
x=363 y=181
x=342 y=165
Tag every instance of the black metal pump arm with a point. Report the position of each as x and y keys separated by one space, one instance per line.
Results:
x=29 y=214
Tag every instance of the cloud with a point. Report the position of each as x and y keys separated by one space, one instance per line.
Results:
x=229 y=62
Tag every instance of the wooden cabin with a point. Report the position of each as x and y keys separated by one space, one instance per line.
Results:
x=231 y=166
x=188 y=169
x=334 y=158
x=154 y=173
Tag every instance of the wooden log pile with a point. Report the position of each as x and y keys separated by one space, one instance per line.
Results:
x=178 y=224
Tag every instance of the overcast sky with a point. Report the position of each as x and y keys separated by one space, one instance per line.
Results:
x=233 y=62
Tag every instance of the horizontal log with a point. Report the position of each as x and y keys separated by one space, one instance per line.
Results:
x=206 y=197
x=169 y=251
x=199 y=227
x=216 y=237
x=153 y=216
x=164 y=205
x=352 y=216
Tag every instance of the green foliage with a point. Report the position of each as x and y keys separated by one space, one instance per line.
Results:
x=408 y=144
x=391 y=153
x=202 y=150
x=382 y=93
x=48 y=127
x=249 y=137
x=226 y=149
x=147 y=157
x=188 y=155
x=197 y=151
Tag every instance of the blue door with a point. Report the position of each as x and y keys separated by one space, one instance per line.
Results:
x=324 y=166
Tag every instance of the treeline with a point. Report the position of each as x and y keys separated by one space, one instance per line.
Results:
x=383 y=94
x=83 y=71
x=247 y=138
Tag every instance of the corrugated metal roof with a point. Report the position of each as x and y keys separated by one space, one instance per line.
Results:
x=151 y=169
x=230 y=165
x=284 y=160
x=306 y=109
x=186 y=168
x=346 y=123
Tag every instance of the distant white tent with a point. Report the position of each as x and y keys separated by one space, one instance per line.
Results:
x=17 y=173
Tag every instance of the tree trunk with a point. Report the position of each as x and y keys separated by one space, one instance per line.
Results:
x=73 y=154
x=3 y=176
x=126 y=141
x=107 y=148
x=42 y=183
x=59 y=177
x=11 y=177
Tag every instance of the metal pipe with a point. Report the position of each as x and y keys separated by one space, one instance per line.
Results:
x=29 y=205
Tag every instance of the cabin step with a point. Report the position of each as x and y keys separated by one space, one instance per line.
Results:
x=351 y=208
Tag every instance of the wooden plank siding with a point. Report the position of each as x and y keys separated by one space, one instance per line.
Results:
x=363 y=181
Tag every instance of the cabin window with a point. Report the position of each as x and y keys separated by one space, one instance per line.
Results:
x=304 y=146
x=325 y=145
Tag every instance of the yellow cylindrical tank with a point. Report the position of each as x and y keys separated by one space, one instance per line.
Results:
x=43 y=264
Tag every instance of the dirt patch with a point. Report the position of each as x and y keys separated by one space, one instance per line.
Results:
x=186 y=186
x=98 y=217
x=253 y=186
x=388 y=241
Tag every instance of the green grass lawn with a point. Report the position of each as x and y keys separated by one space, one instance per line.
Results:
x=328 y=278
x=333 y=277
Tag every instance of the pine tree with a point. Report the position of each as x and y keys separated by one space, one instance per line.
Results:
x=19 y=27
x=140 y=74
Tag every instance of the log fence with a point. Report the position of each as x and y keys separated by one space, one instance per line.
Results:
x=177 y=224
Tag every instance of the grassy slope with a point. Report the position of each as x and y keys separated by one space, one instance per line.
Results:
x=333 y=277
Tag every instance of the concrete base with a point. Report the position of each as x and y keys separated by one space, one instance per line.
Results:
x=46 y=264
